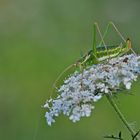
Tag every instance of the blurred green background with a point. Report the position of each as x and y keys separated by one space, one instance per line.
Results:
x=38 y=39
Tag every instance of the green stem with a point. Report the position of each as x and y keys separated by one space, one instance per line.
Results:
x=121 y=116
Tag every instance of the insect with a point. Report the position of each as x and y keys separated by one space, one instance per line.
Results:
x=102 y=52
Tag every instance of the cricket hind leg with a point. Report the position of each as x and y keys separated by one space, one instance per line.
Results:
x=118 y=32
x=111 y=24
x=122 y=36
x=96 y=27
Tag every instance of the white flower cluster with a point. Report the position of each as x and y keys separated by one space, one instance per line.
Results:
x=80 y=91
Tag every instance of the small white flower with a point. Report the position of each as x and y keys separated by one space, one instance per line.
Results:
x=97 y=97
x=86 y=110
x=46 y=105
x=128 y=85
x=49 y=118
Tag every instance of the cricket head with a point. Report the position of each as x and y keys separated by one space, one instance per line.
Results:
x=84 y=59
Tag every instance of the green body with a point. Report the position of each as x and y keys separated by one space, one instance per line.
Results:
x=111 y=51
x=101 y=53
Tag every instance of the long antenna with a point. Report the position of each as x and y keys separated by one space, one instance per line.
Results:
x=60 y=75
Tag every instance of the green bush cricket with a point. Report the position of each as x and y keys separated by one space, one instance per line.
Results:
x=102 y=52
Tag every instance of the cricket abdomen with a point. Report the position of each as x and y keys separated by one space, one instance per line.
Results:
x=109 y=52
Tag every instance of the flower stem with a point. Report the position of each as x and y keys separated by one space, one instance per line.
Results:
x=121 y=116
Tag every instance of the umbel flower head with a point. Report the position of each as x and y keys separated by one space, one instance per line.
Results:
x=78 y=94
